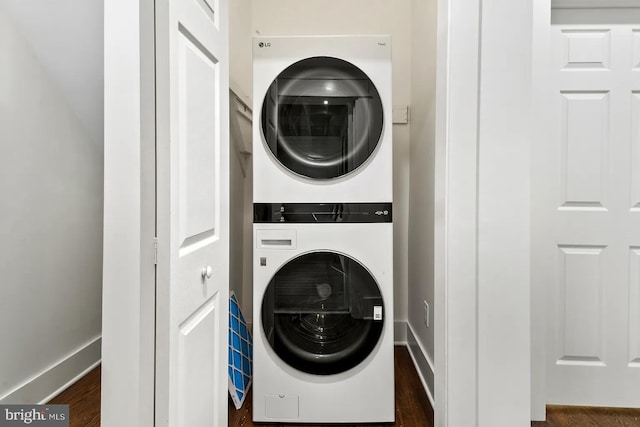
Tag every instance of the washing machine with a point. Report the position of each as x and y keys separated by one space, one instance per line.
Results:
x=323 y=315
x=324 y=128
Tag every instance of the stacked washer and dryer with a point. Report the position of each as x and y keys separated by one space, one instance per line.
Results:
x=323 y=231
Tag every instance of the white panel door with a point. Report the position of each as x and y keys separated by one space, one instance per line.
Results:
x=193 y=212
x=591 y=216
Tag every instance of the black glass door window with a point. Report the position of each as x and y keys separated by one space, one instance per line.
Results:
x=322 y=118
x=322 y=313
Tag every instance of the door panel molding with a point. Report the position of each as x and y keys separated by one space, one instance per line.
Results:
x=594 y=4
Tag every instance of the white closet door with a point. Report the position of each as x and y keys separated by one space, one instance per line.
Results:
x=193 y=212
x=590 y=247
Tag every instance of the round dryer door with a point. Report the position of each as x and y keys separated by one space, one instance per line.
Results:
x=322 y=118
x=322 y=313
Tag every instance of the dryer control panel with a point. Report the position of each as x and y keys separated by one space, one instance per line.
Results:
x=311 y=213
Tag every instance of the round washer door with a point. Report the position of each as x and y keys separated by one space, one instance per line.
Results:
x=322 y=118
x=322 y=313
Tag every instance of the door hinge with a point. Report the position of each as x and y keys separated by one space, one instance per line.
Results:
x=155 y=251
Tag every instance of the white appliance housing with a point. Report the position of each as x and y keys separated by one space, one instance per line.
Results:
x=356 y=103
x=362 y=394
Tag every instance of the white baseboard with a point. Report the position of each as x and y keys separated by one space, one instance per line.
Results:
x=47 y=384
x=423 y=364
x=400 y=332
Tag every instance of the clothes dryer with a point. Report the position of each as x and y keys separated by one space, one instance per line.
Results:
x=324 y=129
x=323 y=317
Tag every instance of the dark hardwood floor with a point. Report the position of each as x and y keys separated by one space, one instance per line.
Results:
x=83 y=399
x=412 y=406
x=577 y=416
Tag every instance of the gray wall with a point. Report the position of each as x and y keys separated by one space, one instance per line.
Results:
x=51 y=228
x=241 y=216
x=422 y=185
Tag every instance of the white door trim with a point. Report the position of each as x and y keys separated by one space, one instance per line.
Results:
x=456 y=213
x=540 y=131
x=593 y=4
x=128 y=303
x=482 y=214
